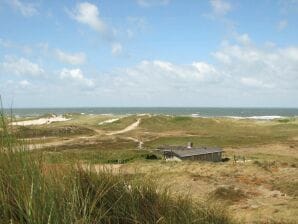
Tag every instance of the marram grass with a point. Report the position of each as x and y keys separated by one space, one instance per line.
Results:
x=34 y=192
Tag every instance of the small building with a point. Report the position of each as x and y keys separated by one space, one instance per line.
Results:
x=191 y=153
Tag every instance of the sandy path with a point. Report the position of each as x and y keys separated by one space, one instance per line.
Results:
x=127 y=129
x=98 y=133
x=108 y=121
x=60 y=142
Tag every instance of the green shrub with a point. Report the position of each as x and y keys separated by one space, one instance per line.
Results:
x=151 y=157
x=182 y=119
x=285 y=120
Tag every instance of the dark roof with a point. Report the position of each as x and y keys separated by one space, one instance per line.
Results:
x=181 y=151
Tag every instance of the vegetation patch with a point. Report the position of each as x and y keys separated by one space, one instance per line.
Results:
x=228 y=193
x=285 y=120
x=181 y=119
x=151 y=157
x=287 y=187
x=98 y=156
x=64 y=131
x=266 y=165
x=220 y=132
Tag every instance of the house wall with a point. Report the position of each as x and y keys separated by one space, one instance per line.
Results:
x=215 y=157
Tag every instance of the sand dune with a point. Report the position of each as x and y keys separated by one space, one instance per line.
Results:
x=127 y=129
x=108 y=121
x=41 y=121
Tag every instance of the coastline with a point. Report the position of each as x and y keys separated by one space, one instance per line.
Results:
x=234 y=113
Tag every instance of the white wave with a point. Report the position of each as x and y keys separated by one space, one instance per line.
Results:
x=256 y=117
x=265 y=117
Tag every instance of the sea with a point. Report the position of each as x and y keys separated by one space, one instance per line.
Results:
x=255 y=113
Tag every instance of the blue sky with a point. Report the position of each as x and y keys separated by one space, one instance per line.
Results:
x=149 y=53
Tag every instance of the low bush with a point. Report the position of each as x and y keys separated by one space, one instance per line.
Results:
x=151 y=156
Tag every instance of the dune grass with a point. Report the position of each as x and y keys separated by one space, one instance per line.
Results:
x=218 y=131
x=227 y=193
x=286 y=186
x=33 y=191
x=119 y=124
x=98 y=156
x=65 y=131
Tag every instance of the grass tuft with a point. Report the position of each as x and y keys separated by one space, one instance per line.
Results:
x=228 y=194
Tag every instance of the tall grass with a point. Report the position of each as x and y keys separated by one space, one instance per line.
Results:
x=32 y=191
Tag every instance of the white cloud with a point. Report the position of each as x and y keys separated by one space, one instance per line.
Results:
x=20 y=66
x=116 y=48
x=243 y=39
x=74 y=59
x=148 y=76
x=149 y=3
x=88 y=14
x=241 y=70
x=24 y=83
x=252 y=82
x=12 y=45
x=76 y=76
x=26 y=9
x=240 y=67
x=290 y=53
x=222 y=57
x=282 y=24
x=261 y=67
x=136 y=25
x=220 y=7
x=204 y=68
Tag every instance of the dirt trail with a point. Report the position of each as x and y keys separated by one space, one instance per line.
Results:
x=98 y=133
x=127 y=129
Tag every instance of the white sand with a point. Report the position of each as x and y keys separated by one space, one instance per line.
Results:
x=127 y=129
x=195 y=115
x=265 y=117
x=145 y=114
x=41 y=121
x=108 y=121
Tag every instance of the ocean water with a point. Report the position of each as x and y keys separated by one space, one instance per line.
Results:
x=188 y=111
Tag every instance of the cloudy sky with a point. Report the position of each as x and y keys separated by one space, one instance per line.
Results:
x=149 y=53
